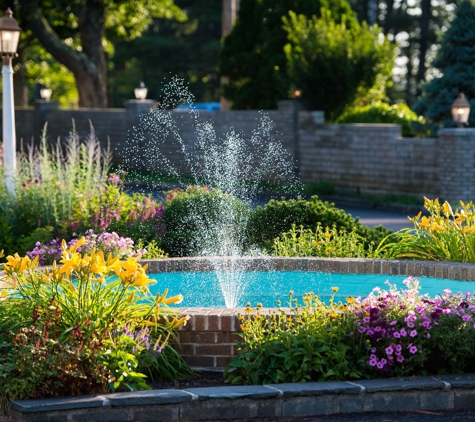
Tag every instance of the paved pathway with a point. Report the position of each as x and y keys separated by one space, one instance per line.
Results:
x=394 y=220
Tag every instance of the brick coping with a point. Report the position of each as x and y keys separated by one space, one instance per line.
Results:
x=273 y=400
x=439 y=269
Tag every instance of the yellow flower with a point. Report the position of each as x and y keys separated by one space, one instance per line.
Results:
x=436 y=227
x=16 y=263
x=447 y=209
x=71 y=262
x=4 y=294
x=425 y=222
x=98 y=266
x=334 y=289
x=327 y=235
x=333 y=315
x=350 y=300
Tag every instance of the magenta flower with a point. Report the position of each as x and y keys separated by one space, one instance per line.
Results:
x=413 y=333
x=413 y=349
x=400 y=358
x=466 y=317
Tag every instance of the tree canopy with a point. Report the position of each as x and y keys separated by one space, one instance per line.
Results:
x=253 y=55
x=76 y=33
x=456 y=62
x=333 y=63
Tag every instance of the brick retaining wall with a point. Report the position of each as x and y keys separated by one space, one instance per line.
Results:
x=356 y=158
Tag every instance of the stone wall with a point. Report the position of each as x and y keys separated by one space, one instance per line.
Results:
x=356 y=158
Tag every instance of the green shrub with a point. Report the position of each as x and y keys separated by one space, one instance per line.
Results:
x=202 y=221
x=382 y=112
x=276 y=217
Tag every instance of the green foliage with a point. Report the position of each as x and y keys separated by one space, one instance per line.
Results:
x=445 y=235
x=252 y=56
x=382 y=112
x=327 y=243
x=335 y=63
x=188 y=49
x=306 y=343
x=74 y=329
x=319 y=188
x=456 y=61
x=200 y=220
x=276 y=217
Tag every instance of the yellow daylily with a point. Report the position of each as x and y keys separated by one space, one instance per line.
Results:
x=447 y=209
x=16 y=263
x=71 y=262
x=425 y=222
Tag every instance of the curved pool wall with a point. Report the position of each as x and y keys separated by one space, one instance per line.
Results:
x=208 y=339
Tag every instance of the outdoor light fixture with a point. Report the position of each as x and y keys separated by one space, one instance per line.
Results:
x=460 y=110
x=9 y=36
x=141 y=92
x=296 y=92
x=45 y=93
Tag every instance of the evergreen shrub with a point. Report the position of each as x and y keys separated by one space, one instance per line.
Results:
x=277 y=217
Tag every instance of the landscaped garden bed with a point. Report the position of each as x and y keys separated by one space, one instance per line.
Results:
x=79 y=318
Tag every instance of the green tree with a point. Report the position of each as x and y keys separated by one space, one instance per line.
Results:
x=456 y=61
x=253 y=55
x=188 y=49
x=75 y=34
x=334 y=64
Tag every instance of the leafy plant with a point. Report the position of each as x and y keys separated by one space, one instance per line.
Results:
x=303 y=343
x=444 y=235
x=382 y=112
x=330 y=243
x=86 y=327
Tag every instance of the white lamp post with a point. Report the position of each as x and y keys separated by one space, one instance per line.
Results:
x=460 y=110
x=45 y=93
x=9 y=36
x=141 y=92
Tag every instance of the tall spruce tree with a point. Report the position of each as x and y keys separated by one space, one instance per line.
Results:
x=253 y=55
x=456 y=62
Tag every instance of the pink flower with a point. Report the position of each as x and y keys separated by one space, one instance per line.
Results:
x=397 y=335
x=400 y=358
x=413 y=333
x=466 y=317
x=403 y=332
x=389 y=350
x=413 y=349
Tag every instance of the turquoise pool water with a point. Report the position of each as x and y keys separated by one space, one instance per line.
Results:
x=201 y=289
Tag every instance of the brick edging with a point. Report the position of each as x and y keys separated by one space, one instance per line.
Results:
x=275 y=400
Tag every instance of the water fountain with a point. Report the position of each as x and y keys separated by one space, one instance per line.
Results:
x=235 y=164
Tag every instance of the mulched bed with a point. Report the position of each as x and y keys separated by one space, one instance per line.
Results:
x=201 y=379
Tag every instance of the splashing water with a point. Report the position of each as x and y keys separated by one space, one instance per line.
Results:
x=236 y=165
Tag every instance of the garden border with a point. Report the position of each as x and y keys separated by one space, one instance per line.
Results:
x=273 y=400
x=207 y=341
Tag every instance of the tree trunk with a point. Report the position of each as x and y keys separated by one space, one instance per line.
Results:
x=423 y=42
x=88 y=65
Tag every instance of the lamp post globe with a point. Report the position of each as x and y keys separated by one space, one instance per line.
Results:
x=9 y=36
x=460 y=110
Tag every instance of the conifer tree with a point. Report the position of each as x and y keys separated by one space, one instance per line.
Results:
x=456 y=62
